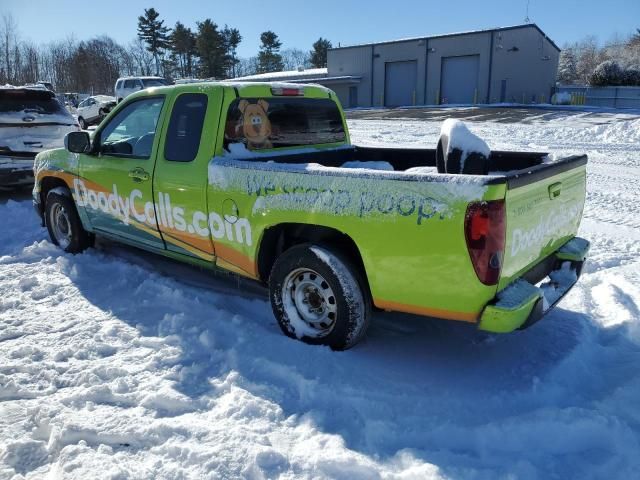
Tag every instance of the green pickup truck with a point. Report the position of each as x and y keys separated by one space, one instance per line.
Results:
x=261 y=179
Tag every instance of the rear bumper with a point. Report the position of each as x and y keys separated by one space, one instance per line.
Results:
x=16 y=172
x=526 y=301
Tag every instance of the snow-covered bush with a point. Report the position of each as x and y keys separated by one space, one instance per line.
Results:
x=631 y=75
x=607 y=73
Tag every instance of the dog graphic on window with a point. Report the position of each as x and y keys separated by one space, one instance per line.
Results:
x=256 y=126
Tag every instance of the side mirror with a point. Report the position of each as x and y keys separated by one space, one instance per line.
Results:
x=77 y=142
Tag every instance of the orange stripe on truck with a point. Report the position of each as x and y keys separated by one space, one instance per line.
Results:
x=425 y=311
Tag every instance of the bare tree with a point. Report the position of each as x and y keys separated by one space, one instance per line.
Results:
x=9 y=44
x=294 y=58
x=141 y=56
x=247 y=66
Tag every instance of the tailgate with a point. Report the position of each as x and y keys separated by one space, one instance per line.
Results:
x=544 y=209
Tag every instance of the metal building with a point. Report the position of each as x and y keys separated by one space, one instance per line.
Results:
x=515 y=64
x=510 y=64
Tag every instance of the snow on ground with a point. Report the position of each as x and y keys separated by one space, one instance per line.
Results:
x=111 y=367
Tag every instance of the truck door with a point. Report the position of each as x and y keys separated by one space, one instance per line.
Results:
x=115 y=185
x=181 y=176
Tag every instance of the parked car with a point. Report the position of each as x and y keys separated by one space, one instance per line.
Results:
x=128 y=85
x=94 y=109
x=31 y=120
x=261 y=180
x=47 y=85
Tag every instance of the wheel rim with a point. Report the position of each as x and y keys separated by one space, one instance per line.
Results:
x=310 y=303
x=60 y=225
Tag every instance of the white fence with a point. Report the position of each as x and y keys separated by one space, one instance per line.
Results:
x=612 y=97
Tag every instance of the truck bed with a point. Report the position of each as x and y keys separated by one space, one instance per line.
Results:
x=513 y=168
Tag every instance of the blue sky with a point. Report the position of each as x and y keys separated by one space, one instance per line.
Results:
x=300 y=23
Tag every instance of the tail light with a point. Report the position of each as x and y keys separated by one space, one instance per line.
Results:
x=287 y=92
x=485 y=230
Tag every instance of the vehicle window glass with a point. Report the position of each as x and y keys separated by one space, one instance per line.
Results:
x=153 y=82
x=263 y=123
x=128 y=84
x=30 y=101
x=185 y=127
x=118 y=84
x=132 y=130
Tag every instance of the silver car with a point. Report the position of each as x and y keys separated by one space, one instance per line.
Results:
x=31 y=120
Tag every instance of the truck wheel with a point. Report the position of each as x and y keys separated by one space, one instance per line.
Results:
x=319 y=298
x=83 y=123
x=63 y=223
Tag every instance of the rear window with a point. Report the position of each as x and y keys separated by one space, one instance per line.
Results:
x=30 y=101
x=153 y=82
x=263 y=123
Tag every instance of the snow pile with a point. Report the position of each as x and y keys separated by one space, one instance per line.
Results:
x=369 y=165
x=619 y=132
x=462 y=139
x=117 y=364
x=561 y=98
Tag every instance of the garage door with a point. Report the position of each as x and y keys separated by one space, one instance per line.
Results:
x=459 y=79
x=400 y=83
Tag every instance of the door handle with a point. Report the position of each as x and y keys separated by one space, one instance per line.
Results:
x=554 y=190
x=139 y=175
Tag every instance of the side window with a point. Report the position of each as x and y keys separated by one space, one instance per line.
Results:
x=185 y=127
x=132 y=130
x=118 y=84
x=128 y=84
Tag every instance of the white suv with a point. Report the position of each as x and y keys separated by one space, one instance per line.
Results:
x=127 y=85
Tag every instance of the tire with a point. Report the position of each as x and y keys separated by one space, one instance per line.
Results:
x=319 y=297
x=63 y=223
x=440 y=157
x=83 y=123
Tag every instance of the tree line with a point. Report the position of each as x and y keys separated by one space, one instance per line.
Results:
x=204 y=51
x=617 y=62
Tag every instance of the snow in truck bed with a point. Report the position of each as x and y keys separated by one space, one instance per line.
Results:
x=115 y=364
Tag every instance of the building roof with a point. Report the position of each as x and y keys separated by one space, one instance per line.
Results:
x=469 y=32
x=297 y=74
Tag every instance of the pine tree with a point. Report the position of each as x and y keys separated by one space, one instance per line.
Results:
x=319 y=53
x=211 y=50
x=567 y=66
x=269 y=58
x=183 y=45
x=231 y=38
x=154 y=33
